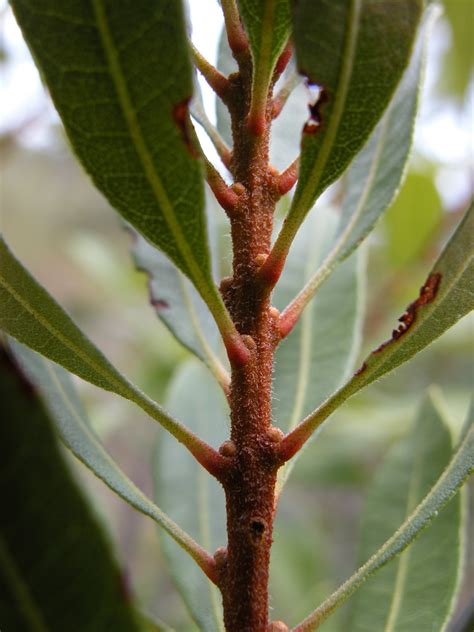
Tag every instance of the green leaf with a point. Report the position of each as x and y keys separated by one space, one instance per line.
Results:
x=189 y=494
x=357 y=51
x=120 y=77
x=410 y=594
x=446 y=297
x=411 y=221
x=29 y=314
x=60 y=398
x=319 y=354
x=57 y=571
x=267 y=23
x=375 y=175
x=460 y=467
x=179 y=306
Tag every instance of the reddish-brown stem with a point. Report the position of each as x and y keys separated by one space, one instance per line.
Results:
x=228 y=197
x=288 y=178
x=288 y=320
x=249 y=483
x=282 y=61
x=214 y=78
x=236 y=36
x=216 y=464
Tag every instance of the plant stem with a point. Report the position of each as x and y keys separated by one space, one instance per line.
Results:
x=250 y=482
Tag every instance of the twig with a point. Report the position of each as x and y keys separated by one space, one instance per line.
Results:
x=214 y=78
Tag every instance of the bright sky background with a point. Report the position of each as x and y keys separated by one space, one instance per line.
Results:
x=443 y=134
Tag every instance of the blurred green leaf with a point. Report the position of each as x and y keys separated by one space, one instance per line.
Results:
x=293 y=587
x=459 y=468
x=411 y=221
x=179 y=306
x=120 y=77
x=29 y=314
x=458 y=63
x=56 y=568
x=319 y=354
x=411 y=594
x=357 y=51
x=60 y=398
x=189 y=494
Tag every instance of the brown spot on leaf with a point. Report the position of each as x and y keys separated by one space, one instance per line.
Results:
x=427 y=295
x=362 y=369
x=159 y=303
x=181 y=118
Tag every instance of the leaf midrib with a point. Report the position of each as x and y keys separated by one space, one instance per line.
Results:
x=140 y=145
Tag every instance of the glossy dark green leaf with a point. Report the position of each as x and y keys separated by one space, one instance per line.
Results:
x=458 y=470
x=189 y=494
x=61 y=400
x=29 y=314
x=120 y=76
x=410 y=594
x=57 y=572
x=357 y=51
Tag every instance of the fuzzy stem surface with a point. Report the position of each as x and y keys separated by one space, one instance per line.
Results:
x=250 y=481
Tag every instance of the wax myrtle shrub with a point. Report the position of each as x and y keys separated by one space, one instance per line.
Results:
x=276 y=339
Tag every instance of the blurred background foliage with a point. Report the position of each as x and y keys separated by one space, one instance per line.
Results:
x=73 y=242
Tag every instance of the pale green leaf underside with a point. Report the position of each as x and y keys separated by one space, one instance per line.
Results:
x=116 y=72
x=460 y=467
x=319 y=354
x=448 y=296
x=189 y=494
x=178 y=305
x=57 y=391
x=267 y=23
x=415 y=592
x=357 y=50
x=29 y=314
